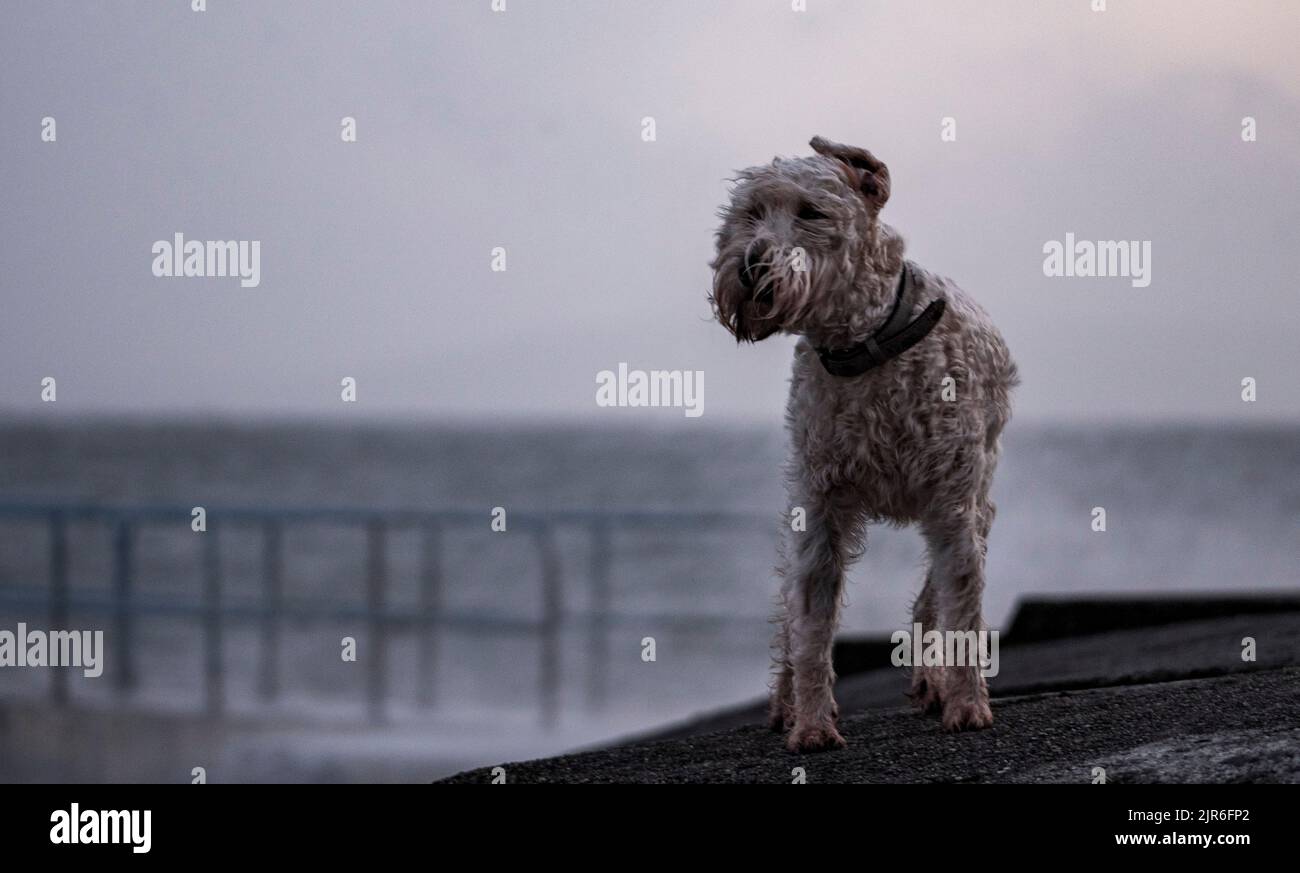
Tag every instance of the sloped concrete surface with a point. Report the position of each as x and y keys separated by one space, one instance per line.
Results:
x=1174 y=703
x=1233 y=728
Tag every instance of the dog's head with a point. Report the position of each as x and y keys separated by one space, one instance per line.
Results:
x=795 y=239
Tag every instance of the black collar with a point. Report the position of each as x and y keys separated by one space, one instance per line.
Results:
x=895 y=336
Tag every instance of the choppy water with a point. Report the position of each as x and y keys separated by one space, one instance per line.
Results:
x=1188 y=508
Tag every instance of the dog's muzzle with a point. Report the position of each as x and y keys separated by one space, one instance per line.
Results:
x=753 y=267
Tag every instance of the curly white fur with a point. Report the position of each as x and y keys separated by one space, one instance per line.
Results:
x=883 y=446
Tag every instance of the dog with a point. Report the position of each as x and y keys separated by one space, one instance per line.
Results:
x=900 y=389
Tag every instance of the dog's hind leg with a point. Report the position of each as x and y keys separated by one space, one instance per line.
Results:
x=816 y=581
x=780 y=714
x=926 y=681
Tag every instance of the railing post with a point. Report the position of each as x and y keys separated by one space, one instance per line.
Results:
x=549 y=660
x=272 y=611
x=376 y=582
x=430 y=614
x=598 y=640
x=122 y=606
x=214 y=678
x=58 y=599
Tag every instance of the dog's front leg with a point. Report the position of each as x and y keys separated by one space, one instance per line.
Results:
x=815 y=581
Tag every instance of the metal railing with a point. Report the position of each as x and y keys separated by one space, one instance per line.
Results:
x=123 y=605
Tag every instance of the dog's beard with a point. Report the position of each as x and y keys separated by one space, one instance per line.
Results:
x=754 y=322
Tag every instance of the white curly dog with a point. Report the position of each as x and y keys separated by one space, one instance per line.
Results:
x=901 y=387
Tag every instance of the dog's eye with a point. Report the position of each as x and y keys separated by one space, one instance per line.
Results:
x=808 y=212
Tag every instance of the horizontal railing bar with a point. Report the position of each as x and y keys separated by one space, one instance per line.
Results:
x=88 y=601
x=524 y=518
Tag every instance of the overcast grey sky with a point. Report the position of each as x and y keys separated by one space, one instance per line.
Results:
x=522 y=129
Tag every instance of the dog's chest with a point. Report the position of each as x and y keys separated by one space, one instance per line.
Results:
x=871 y=436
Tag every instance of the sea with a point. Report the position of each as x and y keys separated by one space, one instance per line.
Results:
x=1187 y=508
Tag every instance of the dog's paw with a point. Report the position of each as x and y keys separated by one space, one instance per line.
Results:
x=966 y=714
x=814 y=738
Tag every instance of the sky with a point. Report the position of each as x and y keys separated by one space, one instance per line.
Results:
x=523 y=129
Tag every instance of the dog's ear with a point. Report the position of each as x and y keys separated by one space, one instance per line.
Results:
x=870 y=173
